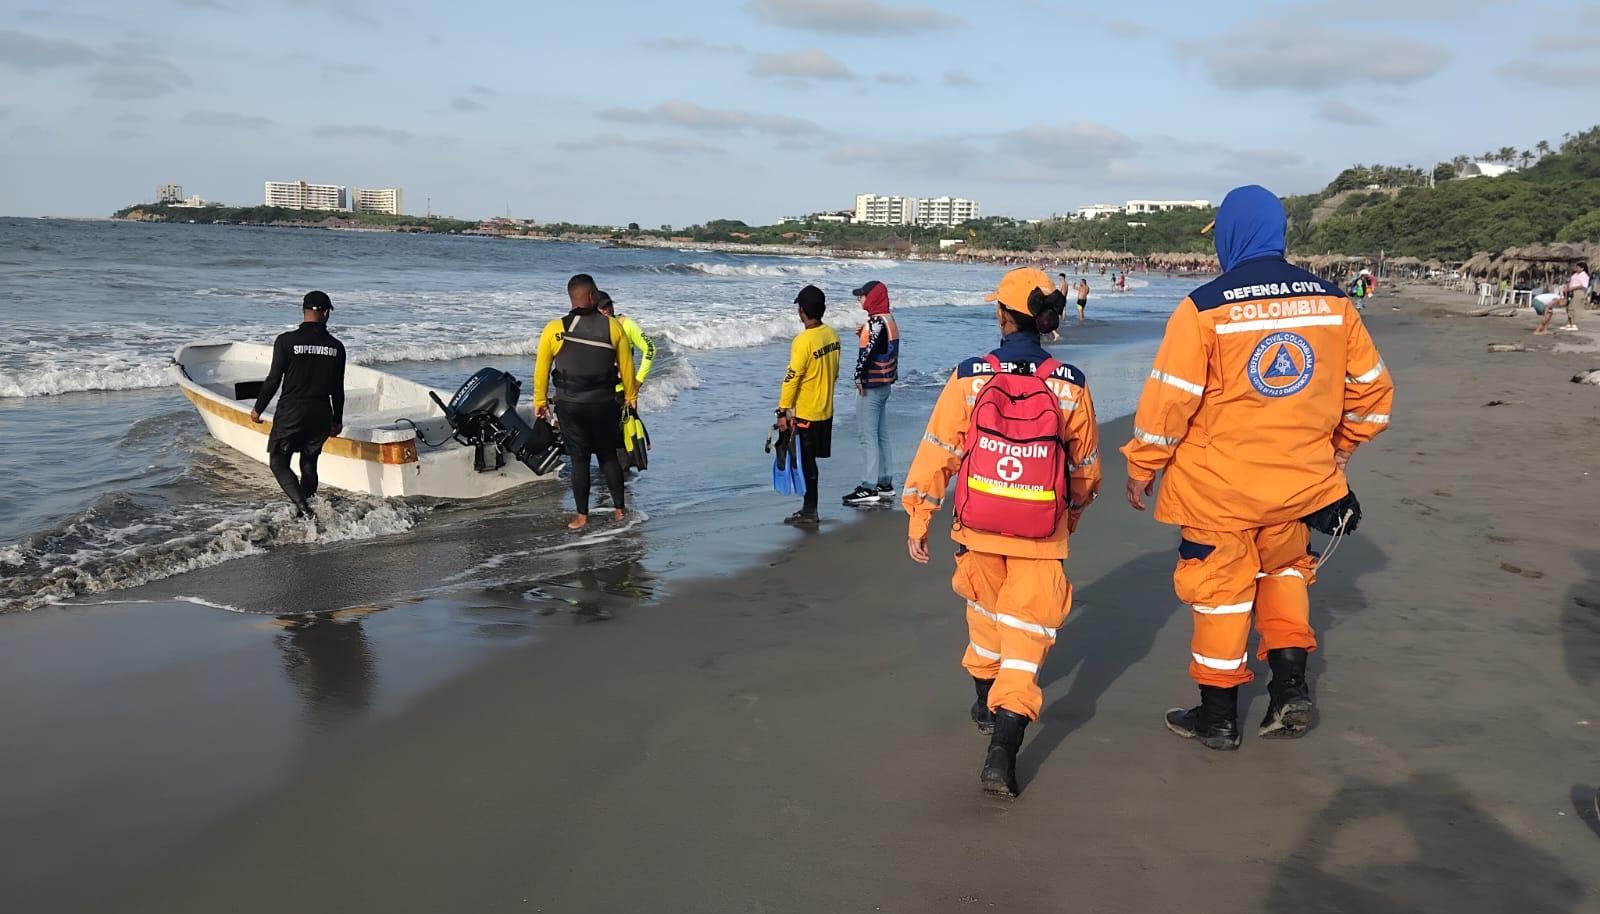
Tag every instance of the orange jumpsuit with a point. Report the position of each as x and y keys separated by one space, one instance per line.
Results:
x=1016 y=592
x=1262 y=374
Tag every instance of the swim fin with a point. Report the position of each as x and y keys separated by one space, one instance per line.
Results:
x=786 y=476
x=636 y=440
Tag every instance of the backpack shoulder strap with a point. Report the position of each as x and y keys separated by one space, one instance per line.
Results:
x=993 y=362
x=1047 y=368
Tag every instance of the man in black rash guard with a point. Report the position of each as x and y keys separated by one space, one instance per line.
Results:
x=309 y=363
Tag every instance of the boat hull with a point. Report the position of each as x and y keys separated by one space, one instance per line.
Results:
x=383 y=458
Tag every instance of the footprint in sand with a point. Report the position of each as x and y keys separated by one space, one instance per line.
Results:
x=1525 y=572
x=1496 y=538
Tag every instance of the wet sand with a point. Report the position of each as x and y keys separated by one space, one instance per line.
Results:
x=794 y=738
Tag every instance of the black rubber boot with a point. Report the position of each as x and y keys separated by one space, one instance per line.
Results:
x=1291 y=711
x=1215 y=721
x=999 y=774
x=981 y=715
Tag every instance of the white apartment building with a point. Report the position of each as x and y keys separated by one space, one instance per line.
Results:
x=945 y=210
x=376 y=200
x=300 y=195
x=193 y=201
x=875 y=209
x=169 y=193
x=1096 y=210
x=1142 y=207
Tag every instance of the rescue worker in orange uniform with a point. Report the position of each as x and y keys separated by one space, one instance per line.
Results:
x=1016 y=592
x=1264 y=385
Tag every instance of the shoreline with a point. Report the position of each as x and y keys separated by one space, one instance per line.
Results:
x=793 y=737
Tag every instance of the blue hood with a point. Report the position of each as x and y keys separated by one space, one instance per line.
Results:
x=1250 y=225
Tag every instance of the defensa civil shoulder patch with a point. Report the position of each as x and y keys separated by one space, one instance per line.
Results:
x=1282 y=365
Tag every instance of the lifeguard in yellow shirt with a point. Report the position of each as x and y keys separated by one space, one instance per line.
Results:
x=805 y=402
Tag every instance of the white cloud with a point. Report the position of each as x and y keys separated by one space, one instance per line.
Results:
x=364 y=131
x=1344 y=113
x=937 y=157
x=671 y=146
x=802 y=65
x=895 y=79
x=462 y=103
x=690 y=116
x=1552 y=75
x=1127 y=28
x=30 y=53
x=958 y=79
x=1266 y=54
x=850 y=17
x=230 y=120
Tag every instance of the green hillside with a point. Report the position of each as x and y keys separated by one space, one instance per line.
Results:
x=1557 y=199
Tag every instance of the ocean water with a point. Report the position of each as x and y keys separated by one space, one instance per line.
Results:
x=112 y=482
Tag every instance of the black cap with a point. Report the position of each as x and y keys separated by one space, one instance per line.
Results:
x=317 y=301
x=868 y=287
x=812 y=302
x=602 y=298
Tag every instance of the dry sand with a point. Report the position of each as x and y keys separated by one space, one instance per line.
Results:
x=795 y=738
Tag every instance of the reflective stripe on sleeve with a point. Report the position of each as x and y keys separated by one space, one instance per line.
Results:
x=933 y=439
x=983 y=652
x=1369 y=418
x=1367 y=377
x=1088 y=461
x=1011 y=663
x=1228 y=610
x=1175 y=381
x=1215 y=664
x=1160 y=440
x=923 y=496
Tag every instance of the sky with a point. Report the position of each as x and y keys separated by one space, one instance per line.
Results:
x=676 y=113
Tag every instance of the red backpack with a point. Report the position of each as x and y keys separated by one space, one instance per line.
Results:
x=1013 y=477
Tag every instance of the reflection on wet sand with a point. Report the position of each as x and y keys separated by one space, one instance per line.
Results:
x=330 y=664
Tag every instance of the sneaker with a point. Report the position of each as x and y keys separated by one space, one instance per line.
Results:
x=861 y=495
x=885 y=490
x=803 y=519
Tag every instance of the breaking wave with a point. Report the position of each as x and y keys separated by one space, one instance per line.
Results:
x=114 y=545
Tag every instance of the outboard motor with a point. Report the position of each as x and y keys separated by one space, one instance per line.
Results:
x=483 y=415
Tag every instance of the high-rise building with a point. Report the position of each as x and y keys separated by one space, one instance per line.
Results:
x=875 y=209
x=945 y=210
x=376 y=200
x=300 y=195
x=169 y=193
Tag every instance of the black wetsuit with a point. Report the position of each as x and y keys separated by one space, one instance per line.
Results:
x=309 y=363
x=585 y=379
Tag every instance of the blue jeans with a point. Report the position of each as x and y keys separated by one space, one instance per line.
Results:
x=872 y=430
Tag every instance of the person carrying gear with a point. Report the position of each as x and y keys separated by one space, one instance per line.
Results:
x=1265 y=383
x=636 y=338
x=1016 y=428
x=584 y=355
x=805 y=401
x=877 y=368
x=309 y=363
x=635 y=439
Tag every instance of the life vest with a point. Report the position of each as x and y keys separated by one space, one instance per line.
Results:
x=883 y=358
x=1013 y=476
x=585 y=367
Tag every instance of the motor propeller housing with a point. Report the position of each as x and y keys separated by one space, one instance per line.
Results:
x=483 y=414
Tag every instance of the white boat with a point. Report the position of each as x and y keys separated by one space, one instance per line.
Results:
x=379 y=451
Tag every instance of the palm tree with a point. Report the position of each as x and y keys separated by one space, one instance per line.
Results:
x=1486 y=157
x=1543 y=147
x=1508 y=154
x=1525 y=157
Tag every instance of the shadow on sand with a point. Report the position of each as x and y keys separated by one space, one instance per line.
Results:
x=1580 y=622
x=330 y=664
x=1114 y=623
x=1418 y=846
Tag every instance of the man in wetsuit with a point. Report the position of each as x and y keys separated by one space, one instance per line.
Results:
x=584 y=355
x=308 y=362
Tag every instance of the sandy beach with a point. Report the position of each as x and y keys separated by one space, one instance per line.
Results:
x=795 y=737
